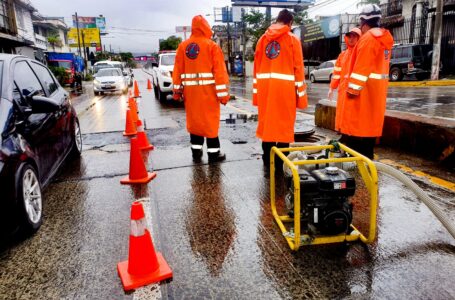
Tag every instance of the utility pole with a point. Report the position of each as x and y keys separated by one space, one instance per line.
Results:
x=437 y=37
x=85 y=52
x=78 y=35
x=268 y=15
x=229 y=39
x=243 y=43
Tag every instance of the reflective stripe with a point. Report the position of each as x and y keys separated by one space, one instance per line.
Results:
x=275 y=76
x=379 y=76
x=255 y=80
x=213 y=150
x=255 y=91
x=221 y=87
x=196 y=75
x=196 y=147
x=299 y=83
x=301 y=94
x=355 y=87
x=177 y=86
x=337 y=69
x=223 y=94
x=336 y=76
x=198 y=82
x=359 y=77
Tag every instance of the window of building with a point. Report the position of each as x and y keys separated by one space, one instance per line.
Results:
x=20 y=17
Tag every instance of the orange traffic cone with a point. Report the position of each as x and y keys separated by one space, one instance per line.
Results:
x=144 y=266
x=136 y=90
x=149 y=84
x=138 y=173
x=142 y=137
x=130 y=127
x=133 y=107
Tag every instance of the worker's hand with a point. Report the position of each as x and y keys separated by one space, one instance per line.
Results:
x=330 y=94
x=177 y=96
x=351 y=95
x=224 y=100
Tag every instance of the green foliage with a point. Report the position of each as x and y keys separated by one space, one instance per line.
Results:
x=301 y=18
x=88 y=77
x=126 y=56
x=54 y=40
x=60 y=73
x=256 y=23
x=171 y=43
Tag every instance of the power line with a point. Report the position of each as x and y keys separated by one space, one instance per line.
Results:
x=139 y=29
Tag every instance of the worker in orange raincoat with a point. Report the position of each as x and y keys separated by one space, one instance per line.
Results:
x=339 y=78
x=362 y=116
x=201 y=76
x=278 y=85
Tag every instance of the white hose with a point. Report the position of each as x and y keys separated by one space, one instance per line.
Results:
x=435 y=209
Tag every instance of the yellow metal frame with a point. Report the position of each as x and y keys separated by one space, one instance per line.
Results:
x=369 y=175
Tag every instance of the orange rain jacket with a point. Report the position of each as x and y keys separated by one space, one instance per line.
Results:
x=279 y=84
x=200 y=71
x=339 y=78
x=364 y=108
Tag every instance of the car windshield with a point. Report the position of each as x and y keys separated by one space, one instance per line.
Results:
x=168 y=60
x=64 y=64
x=108 y=72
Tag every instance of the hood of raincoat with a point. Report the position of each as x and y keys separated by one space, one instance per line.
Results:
x=276 y=30
x=200 y=27
x=383 y=36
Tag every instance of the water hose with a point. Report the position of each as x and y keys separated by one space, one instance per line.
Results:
x=430 y=203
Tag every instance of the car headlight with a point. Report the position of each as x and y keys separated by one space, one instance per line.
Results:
x=96 y=82
x=165 y=73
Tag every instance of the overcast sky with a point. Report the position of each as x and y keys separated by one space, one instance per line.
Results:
x=150 y=15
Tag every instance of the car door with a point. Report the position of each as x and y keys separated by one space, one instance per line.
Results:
x=328 y=70
x=39 y=130
x=63 y=116
x=320 y=71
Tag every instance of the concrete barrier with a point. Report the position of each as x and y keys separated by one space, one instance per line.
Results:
x=430 y=137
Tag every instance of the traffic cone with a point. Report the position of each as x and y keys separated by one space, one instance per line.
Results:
x=142 y=137
x=138 y=173
x=133 y=107
x=130 y=127
x=136 y=90
x=149 y=84
x=144 y=266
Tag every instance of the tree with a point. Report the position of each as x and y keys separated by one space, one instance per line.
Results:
x=127 y=57
x=256 y=26
x=54 y=39
x=301 y=18
x=171 y=43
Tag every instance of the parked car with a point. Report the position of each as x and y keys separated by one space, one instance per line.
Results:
x=39 y=130
x=410 y=60
x=310 y=65
x=162 y=75
x=114 y=64
x=323 y=72
x=110 y=80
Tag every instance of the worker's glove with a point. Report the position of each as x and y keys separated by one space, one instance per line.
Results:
x=177 y=96
x=224 y=100
x=330 y=94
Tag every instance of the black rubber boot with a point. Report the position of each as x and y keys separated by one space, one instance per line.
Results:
x=216 y=157
x=197 y=154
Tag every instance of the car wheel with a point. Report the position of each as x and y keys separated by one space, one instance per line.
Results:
x=421 y=76
x=76 y=149
x=155 y=90
x=97 y=93
x=161 y=95
x=330 y=77
x=29 y=194
x=312 y=79
x=396 y=74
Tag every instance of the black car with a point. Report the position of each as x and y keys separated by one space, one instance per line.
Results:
x=411 y=60
x=39 y=129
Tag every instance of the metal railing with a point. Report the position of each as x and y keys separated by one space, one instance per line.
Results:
x=394 y=7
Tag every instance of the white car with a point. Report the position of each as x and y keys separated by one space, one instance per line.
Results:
x=323 y=72
x=114 y=64
x=110 y=80
x=162 y=75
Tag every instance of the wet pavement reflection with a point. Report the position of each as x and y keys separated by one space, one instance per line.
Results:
x=213 y=223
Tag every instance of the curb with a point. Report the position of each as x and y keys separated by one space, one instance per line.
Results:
x=424 y=83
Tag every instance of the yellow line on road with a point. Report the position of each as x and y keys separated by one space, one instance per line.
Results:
x=435 y=180
x=422 y=83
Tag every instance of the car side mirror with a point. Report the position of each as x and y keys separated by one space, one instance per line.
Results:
x=44 y=105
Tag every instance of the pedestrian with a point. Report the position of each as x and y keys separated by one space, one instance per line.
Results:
x=279 y=85
x=362 y=115
x=339 y=77
x=200 y=76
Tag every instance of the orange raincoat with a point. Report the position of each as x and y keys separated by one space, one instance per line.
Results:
x=200 y=71
x=364 y=107
x=339 y=78
x=279 y=83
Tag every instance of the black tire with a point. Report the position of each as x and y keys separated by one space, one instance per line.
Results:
x=396 y=74
x=97 y=93
x=28 y=193
x=330 y=77
x=422 y=76
x=161 y=96
x=155 y=91
x=76 y=147
x=312 y=79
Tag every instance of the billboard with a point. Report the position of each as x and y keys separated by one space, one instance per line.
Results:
x=275 y=3
x=324 y=29
x=91 y=22
x=91 y=37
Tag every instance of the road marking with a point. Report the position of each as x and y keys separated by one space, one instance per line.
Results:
x=433 y=179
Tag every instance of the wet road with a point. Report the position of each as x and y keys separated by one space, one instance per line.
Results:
x=432 y=101
x=213 y=223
